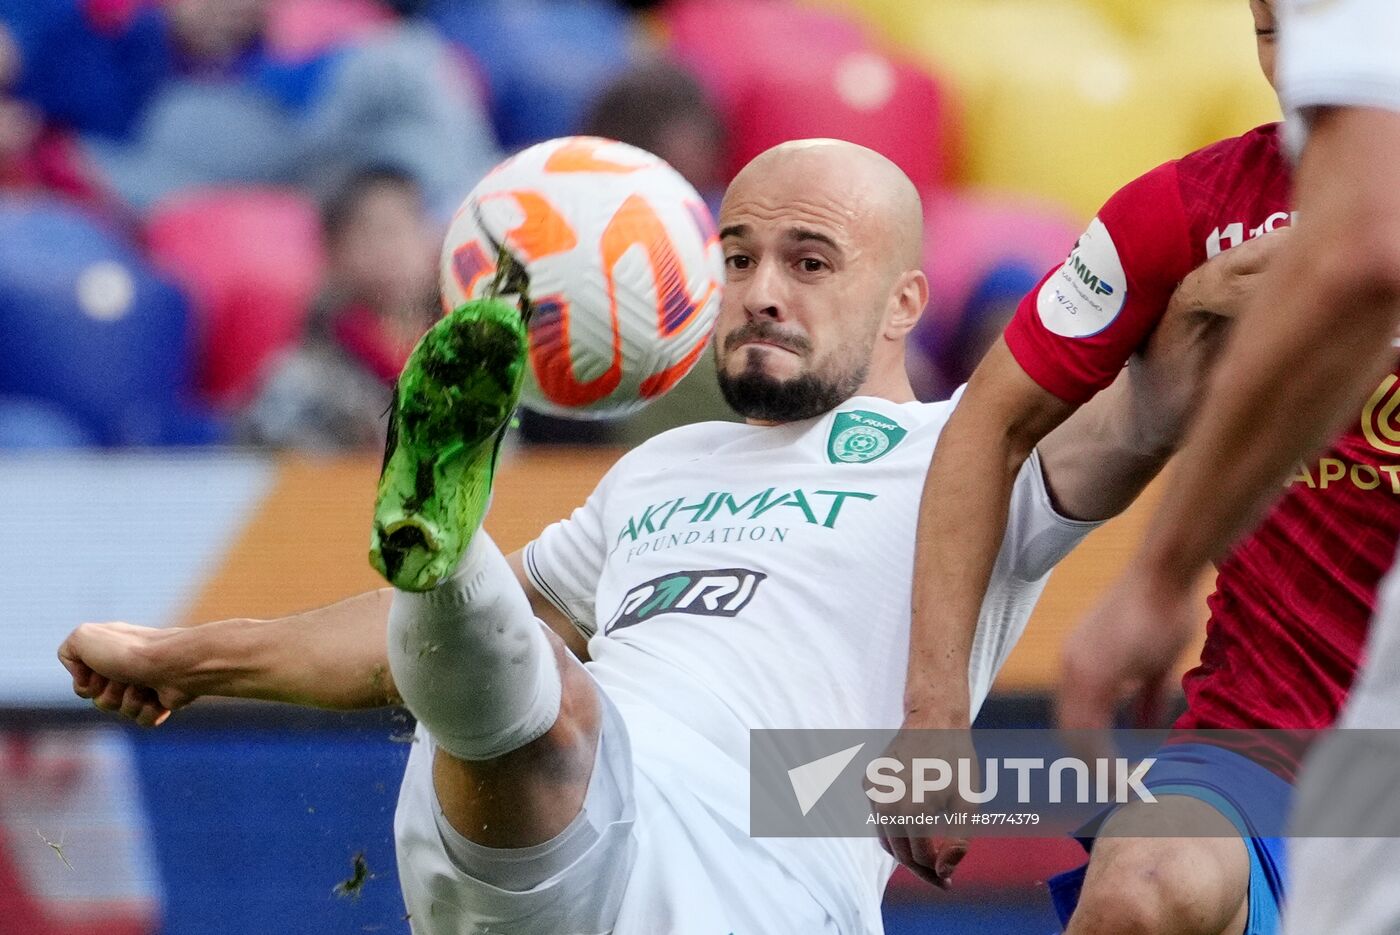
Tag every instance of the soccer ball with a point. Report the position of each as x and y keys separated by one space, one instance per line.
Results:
x=614 y=257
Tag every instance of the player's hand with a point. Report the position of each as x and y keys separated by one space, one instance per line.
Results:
x=1223 y=284
x=1128 y=645
x=1168 y=377
x=930 y=856
x=120 y=668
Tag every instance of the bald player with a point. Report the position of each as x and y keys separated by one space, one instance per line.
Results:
x=725 y=577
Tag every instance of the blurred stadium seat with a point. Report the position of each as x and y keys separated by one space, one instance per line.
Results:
x=1136 y=17
x=1131 y=16
x=959 y=41
x=1208 y=49
x=27 y=423
x=727 y=44
x=543 y=60
x=1058 y=104
x=88 y=326
x=888 y=18
x=968 y=234
x=888 y=105
x=298 y=29
x=251 y=259
x=779 y=71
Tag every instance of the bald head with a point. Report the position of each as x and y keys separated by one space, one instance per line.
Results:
x=861 y=190
x=822 y=243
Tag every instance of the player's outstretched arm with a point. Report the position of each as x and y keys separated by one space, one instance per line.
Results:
x=331 y=657
x=1003 y=414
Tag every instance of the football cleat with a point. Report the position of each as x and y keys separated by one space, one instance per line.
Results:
x=452 y=405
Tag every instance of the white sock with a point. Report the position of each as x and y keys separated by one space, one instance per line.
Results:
x=471 y=660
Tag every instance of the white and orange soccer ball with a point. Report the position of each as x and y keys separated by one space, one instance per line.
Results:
x=617 y=258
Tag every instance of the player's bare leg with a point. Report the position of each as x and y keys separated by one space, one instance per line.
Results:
x=1161 y=885
x=513 y=718
x=529 y=795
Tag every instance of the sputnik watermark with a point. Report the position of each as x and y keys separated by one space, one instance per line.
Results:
x=1116 y=781
x=1030 y=783
x=848 y=783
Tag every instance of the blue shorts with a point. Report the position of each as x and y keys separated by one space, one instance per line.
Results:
x=1247 y=794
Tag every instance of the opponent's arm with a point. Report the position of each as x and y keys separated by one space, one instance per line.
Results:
x=967 y=494
x=1100 y=459
x=1303 y=362
x=1068 y=340
x=331 y=657
x=1315 y=337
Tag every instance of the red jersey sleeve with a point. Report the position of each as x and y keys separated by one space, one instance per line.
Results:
x=1074 y=333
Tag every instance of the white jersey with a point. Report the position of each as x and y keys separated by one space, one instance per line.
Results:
x=1337 y=53
x=733 y=577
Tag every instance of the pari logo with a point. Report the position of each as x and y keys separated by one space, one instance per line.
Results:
x=1085 y=295
x=717 y=592
x=859 y=436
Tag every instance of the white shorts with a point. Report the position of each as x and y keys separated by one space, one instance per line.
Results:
x=1345 y=884
x=666 y=858
x=1337 y=53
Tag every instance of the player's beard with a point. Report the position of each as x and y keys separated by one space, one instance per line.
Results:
x=754 y=394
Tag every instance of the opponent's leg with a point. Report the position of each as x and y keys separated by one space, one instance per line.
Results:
x=1161 y=885
x=514 y=720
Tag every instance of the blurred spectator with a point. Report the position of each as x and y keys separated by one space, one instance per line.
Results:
x=660 y=107
x=33 y=156
x=186 y=93
x=19 y=132
x=331 y=392
x=544 y=61
x=402 y=98
x=946 y=349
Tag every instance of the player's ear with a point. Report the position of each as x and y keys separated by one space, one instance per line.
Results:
x=907 y=301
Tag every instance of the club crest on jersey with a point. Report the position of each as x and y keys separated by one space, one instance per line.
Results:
x=716 y=592
x=858 y=436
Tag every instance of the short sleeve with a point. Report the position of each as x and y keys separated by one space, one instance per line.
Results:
x=566 y=561
x=1037 y=535
x=1074 y=333
x=1036 y=539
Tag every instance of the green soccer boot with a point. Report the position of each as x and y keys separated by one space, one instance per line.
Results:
x=451 y=407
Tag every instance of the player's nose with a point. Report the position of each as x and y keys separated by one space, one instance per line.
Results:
x=763 y=292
